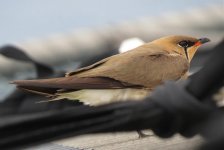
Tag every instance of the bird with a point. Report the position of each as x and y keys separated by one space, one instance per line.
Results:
x=131 y=75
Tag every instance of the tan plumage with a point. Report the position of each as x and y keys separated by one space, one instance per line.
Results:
x=123 y=76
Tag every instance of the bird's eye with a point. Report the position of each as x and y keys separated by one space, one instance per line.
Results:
x=183 y=44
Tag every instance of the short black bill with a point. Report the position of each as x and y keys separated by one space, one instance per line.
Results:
x=204 y=40
x=201 y=41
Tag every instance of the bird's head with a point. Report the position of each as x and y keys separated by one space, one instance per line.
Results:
x=183 y=45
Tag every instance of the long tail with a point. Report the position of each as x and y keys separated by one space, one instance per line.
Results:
x=46 y=87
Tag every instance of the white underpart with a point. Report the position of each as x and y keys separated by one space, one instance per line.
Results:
x=99 y=97
x=129 y=44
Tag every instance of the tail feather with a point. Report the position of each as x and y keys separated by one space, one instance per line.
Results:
x=47 y=87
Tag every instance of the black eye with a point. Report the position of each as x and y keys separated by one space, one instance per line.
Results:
x=183 y=44
x=186 y=44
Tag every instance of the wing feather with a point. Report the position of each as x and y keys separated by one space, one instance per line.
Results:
x=144 y=70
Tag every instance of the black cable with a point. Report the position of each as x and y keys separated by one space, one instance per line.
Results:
x=59 y=124
x=125 y=116
x=210 y=78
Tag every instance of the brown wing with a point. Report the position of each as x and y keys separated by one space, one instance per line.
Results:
x=132 y=53
x=51 y=86
x=143 y=69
